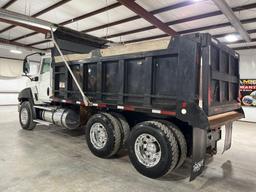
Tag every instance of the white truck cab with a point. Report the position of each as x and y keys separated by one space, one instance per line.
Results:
x=41 y=84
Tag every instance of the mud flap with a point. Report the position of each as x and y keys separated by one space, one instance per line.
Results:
x=198 y=152
x=228 y=136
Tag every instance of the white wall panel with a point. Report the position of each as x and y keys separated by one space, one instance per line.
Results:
x=11 y=85
x=9 y=89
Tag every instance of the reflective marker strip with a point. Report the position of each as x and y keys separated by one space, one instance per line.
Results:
x=129 y=108
x=102 y=105
x=156 y=111
x=163 y=112
x=120 y=107
x=168 y=112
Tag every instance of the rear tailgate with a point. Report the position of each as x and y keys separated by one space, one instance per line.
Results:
x=220 y=75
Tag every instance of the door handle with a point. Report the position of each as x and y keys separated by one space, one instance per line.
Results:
x=48 y=91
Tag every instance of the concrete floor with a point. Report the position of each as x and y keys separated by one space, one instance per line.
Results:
x=53 y=159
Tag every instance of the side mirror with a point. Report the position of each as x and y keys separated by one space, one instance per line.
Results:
x=26 y=66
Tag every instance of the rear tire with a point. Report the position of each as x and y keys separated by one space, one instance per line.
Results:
x=153 y=149
x=180 y=139
x=26 y=116
x=103 y=135
x=125 y=128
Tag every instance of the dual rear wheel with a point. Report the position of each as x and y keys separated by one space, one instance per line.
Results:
x=155 y=147
x=106 y=134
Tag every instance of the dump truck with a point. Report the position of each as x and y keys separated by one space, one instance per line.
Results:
x=165 y=100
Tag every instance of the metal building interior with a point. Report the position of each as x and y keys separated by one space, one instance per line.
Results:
x=51 y=158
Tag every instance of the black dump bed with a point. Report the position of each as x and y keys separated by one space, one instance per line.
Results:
x=159 y=75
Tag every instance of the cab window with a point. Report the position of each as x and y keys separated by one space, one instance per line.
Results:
x=46 y=64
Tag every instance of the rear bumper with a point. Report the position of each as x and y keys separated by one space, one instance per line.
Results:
x=219 y=120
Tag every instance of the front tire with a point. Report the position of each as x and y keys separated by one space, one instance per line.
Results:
x=26 y=116
x=153 y=149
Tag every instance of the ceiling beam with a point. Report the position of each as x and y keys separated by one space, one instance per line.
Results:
x=98 y=11
x=240 y=41
x=209 y=27
x=168 y=8
x=239 y=8
x=225 y=34
x=58 y=4
x=8 y=4
x=130 y=4
x=227 y=11
x=24 y=36
x=5 y=41
x=54 y=6
x=39 y=42
x=194 y=30
x=187 y=19
x=154 y=12
x=171 y=7
x=5 y=6
x=157 y=11
x=84 y=16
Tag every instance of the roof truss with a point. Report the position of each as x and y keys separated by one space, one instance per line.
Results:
x=147 y=15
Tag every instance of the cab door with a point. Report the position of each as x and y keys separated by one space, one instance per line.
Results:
x=45 y=80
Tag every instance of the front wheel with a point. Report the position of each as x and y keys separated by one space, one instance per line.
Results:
x=26 y=116
x=153 y=149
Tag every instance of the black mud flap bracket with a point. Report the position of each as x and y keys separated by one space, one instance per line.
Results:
x=198 y=152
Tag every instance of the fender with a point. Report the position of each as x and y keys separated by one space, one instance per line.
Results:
x=194 y=116
x=26 y=94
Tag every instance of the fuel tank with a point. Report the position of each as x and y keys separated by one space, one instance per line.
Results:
x=67 y=118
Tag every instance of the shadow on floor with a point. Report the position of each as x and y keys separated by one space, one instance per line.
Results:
x=229 y=180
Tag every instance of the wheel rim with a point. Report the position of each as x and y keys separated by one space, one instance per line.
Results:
x=98 y=135
x=147 y=150
x=24 y=116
